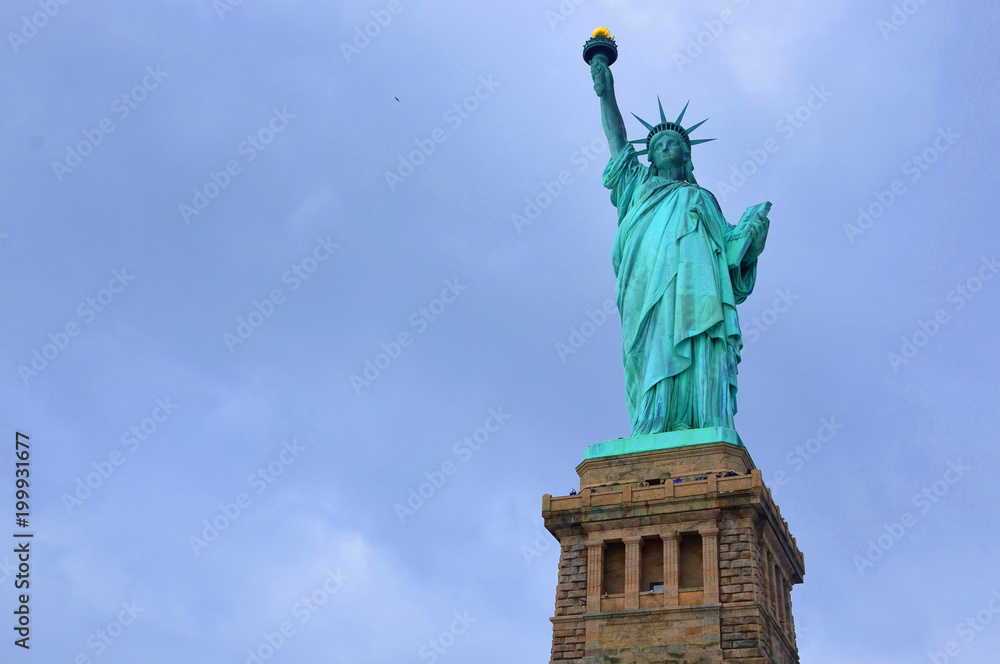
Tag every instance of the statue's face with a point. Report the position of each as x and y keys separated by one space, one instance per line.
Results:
x=667 y=150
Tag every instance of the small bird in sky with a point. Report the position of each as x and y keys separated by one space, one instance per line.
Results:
x=396 y=98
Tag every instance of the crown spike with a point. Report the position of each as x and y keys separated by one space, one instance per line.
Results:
x=693 y=127
x=644 y=123
x=683 y=111
x=664 y=125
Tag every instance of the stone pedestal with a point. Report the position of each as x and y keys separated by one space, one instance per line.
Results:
x=676 y=553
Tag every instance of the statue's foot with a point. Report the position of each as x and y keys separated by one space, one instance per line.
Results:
x=679 y=426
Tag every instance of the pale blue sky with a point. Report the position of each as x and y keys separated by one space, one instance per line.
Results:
x=289 y=136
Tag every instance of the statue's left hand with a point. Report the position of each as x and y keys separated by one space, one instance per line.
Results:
x=758 y=232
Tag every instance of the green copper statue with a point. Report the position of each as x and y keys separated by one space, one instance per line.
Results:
x=681 y=270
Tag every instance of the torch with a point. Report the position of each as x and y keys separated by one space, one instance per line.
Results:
x=600 y=47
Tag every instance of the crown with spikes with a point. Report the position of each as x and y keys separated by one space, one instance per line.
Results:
x=672 y=126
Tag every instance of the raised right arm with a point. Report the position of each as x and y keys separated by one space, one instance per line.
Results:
x=611 y=117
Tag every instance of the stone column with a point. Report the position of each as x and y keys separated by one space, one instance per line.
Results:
x=782 y=607
x=775 y=593
x=670 y=568
x=710 y=562
x=595 y=575
x=765 y=576
x=633 y=562
x=791 y=620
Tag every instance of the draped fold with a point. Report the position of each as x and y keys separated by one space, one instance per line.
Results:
x=677 y=295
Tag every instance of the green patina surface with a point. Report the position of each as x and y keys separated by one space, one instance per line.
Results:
x=681 y=271
x=663 y=441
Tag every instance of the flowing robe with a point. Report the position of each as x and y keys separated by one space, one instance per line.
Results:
x=678 y=287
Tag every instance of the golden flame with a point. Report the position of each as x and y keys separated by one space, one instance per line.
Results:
x=602 y=32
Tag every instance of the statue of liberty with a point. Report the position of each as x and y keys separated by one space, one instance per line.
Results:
x=681 y=270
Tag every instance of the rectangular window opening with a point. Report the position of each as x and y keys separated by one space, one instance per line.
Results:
x=614 y=568
x=651 y=567
x=689 y=552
